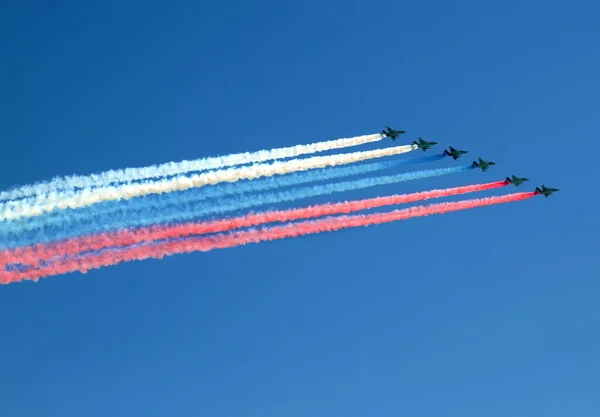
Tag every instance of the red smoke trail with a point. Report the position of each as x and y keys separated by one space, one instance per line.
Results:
x=32 y=255
x=159 y=250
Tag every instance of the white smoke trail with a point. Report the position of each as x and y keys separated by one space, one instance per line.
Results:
x=36 y=206
x=178 y=168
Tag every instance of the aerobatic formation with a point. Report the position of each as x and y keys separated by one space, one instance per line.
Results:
x=78 y=223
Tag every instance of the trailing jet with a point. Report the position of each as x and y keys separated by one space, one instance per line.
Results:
x=454 y=153
x=484 y=165
x=545 y=190
x=423 y=144
x=391 y=133
x=515 y=180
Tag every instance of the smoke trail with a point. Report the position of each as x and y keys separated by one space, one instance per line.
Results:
x=196 y=195
x=37 y=206
x=33 y=255
x=190 y=210
x=178 y=168
x=200 y=243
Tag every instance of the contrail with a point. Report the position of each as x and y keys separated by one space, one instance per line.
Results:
x=189 y=210
x=178 y=168
x=86 y=197
x=202 y=243
x=33 y=255
x=109 y=211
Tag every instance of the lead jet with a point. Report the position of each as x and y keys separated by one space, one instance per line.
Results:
x=423 y=144
x=484 y=165
x=454 y=153
x=547 y=192
x=515 y=180
x=391 y=133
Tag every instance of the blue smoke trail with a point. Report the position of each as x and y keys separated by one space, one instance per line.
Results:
x=195 y=195
x=178 y=213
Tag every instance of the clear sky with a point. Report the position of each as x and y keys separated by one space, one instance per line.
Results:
x=491 y=312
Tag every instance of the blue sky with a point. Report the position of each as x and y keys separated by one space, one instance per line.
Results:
x=486 y=312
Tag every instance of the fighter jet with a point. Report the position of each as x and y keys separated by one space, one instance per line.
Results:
x=545 y=190
x=515 y=180
x=454 y=153
x=391 y=133
x=423 y=144
x=484 y=165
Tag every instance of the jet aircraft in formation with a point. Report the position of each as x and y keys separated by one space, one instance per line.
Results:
x=423 y=144
x=484 y=165
x=480 y=163
x=515 y=180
